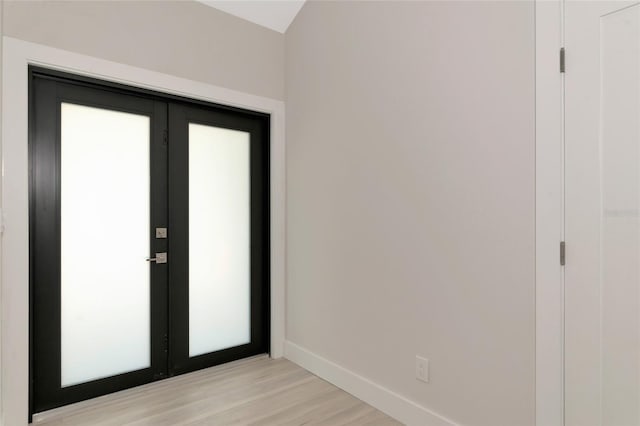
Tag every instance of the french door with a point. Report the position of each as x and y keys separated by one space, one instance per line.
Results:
x=148 y=237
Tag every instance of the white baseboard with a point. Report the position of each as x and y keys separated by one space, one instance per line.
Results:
x=385 y=400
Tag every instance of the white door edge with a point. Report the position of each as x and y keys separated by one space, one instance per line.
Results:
x=549 y=214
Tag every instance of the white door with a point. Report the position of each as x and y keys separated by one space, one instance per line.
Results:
x=602 y=207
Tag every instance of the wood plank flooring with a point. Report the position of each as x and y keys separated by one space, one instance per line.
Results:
x=255 y=391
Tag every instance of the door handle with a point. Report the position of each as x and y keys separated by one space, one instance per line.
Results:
x=160 y=258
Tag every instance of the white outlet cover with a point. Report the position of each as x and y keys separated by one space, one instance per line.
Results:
x=422 y=369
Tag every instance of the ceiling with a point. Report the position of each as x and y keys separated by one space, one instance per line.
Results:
x=274 y=14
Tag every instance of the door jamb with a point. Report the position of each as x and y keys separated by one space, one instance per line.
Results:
x=17 y=55
x=549 y=213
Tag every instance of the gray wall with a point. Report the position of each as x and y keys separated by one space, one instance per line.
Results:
x=410 y=137
x=410 y=187
x=181 y=38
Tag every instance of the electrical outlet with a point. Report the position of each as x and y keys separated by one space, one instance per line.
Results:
x=422 y=369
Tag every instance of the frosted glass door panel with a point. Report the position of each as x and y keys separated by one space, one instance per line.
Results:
x=620 y=223
x=219 y=239
x=105 y=281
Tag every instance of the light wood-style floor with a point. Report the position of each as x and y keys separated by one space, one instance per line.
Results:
x=255 y=391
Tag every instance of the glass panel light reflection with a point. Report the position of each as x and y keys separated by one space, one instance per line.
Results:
x=219 y=239
x=104 y=234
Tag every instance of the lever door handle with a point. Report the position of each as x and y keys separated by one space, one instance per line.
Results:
x=160 y=258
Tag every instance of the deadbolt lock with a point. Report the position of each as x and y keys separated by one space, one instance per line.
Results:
x=161 y=232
